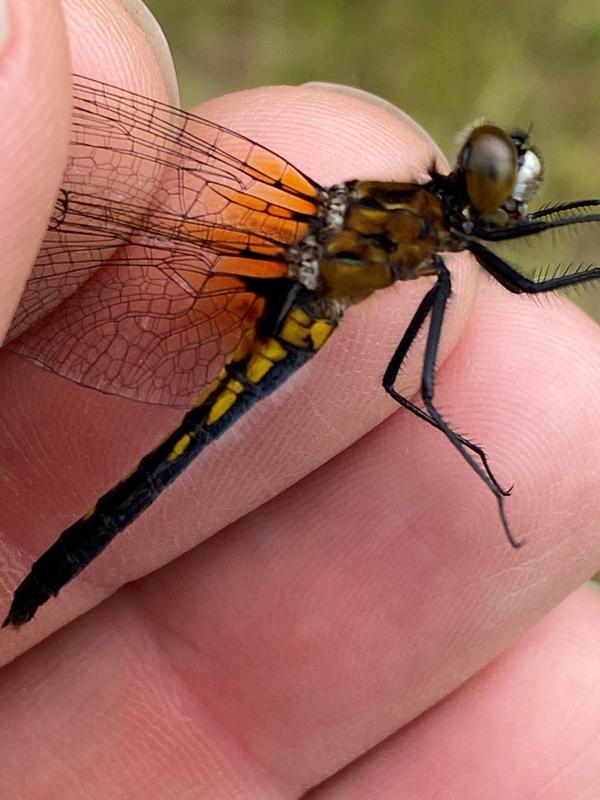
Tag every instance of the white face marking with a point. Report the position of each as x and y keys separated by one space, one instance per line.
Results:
x=527 y=178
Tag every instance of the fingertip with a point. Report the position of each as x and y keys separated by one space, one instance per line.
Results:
x=122 y=44
x=331 y=135
x=375 y=101
x=35 y=98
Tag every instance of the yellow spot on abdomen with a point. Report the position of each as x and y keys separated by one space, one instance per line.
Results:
x=272 y=349
x=179 y=447
x=235 y=386
x=221 y=406
x=320 y=331
x=210 y=390
x=257 y=367
x=299 y=315
x=295 y=333
x=263 y=359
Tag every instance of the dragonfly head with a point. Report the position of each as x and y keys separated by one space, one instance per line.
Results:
x=497 y=174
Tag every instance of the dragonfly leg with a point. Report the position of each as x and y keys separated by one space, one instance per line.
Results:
x=512 y=280
x=560 y=208
x=434 y=304
x=394 y=368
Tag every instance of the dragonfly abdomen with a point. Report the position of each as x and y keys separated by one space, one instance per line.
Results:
x=258 y=366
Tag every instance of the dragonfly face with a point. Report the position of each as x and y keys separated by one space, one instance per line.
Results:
x=228 y=269
x=499 y=174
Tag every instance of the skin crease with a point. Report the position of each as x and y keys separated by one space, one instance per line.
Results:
x=279 y=652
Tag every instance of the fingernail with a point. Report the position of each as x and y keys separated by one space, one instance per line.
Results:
x=148 y=24
x=4 y=23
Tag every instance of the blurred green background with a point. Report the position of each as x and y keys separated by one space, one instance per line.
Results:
x=444 y=63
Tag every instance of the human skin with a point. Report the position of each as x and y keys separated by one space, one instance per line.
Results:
x=371 y=583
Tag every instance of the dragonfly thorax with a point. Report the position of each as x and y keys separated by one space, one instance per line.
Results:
x=387 y=232
x=391 y=231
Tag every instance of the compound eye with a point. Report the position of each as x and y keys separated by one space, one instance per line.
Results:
x=489 y=162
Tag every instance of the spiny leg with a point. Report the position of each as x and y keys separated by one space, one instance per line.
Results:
x=538 y=224
x=560 y=208
x=394 y=367
x=512 y=280
x=438 y=302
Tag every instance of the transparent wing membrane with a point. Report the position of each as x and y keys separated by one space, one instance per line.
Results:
x=138 y=289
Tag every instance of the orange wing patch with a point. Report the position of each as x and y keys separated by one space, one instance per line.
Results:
x=135 y=289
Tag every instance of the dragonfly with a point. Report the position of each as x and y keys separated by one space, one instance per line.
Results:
x=230 y=269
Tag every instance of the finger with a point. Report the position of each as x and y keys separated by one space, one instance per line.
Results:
x=120 y=43
x=99 y=26
x=318 y=626
x=526 y=725
x=364 y=594
x=100 y=32
x=108 y=435
x=35 y=101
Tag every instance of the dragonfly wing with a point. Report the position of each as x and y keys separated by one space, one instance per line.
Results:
x=139 y=287
x=130 y=331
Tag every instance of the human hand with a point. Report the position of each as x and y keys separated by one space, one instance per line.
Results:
x=274 y=654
